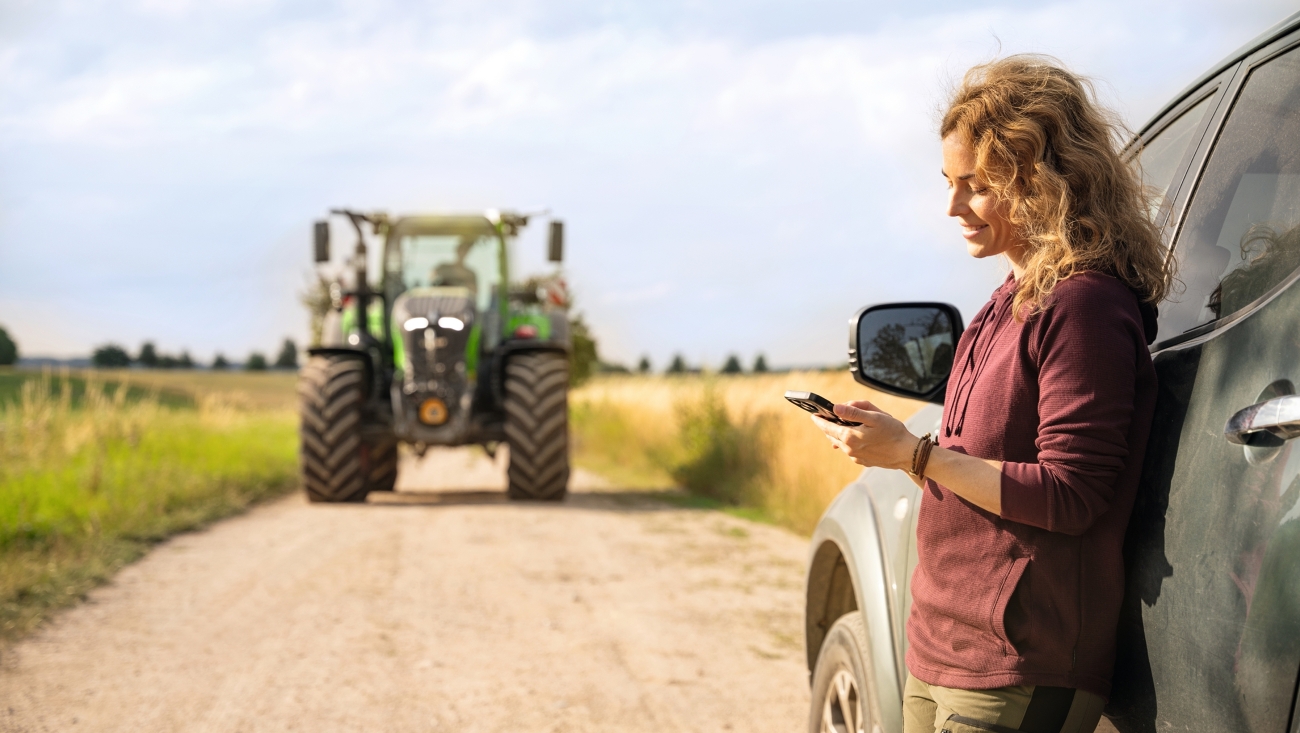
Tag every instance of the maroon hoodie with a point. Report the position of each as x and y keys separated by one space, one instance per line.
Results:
x=1065 y=400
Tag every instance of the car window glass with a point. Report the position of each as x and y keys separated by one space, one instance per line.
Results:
x=1242 y=232
x=1159 y=159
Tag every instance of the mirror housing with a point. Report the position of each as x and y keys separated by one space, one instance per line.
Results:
x=322 y=241
x=905 y=349
x=555 y=243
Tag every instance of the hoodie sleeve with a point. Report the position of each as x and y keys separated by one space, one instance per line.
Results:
x=1087 y=358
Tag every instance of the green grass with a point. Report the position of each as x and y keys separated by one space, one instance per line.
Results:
x=92 y=474
x=750 y=513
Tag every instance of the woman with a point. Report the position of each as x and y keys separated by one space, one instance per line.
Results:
x=1028 y=491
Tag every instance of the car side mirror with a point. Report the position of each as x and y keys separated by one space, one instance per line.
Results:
x=905 y=349
x=322 y=232
x=555 y=244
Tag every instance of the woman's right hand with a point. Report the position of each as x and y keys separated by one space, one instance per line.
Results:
x=880 y=440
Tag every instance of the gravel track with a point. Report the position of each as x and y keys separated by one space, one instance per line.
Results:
x=438 y=607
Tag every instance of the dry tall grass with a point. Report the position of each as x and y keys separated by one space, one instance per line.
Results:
x=644 y=431
x=268 y=390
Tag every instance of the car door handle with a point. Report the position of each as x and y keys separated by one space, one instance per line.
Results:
x=1279 y=417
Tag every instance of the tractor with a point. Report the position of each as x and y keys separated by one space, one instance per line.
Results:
x=444 y=351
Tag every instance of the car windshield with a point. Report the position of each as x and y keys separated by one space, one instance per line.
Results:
x=469 y=261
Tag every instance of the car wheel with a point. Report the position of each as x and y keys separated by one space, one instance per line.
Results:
x=843 y=694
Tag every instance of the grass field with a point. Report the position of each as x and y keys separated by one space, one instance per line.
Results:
x=96 y=467
x=734 y=440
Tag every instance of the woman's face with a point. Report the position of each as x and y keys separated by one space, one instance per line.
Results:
x=983 y=222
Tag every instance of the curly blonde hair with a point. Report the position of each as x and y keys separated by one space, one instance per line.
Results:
x=1048 y=151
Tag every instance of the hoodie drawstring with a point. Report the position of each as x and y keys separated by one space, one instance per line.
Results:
x=973 y=366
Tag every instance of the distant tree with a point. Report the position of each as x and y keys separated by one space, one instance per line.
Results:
x=583 y=357
x=643 y=366
x=760 y=364
x=166 y=361
x=256 y=362
x=732 y=366
x=148 y=355
x=288 y=358
x=185 y=361
x=8 y=349
x=678 y=366
x=110 y=356
x=318 y=298
x=220 y=362
x=605 y=367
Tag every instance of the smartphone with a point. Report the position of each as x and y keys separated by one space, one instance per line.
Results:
x=819 y=406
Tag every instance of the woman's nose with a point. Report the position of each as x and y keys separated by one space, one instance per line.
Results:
x=957 y=204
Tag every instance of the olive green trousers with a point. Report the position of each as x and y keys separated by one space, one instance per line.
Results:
x=1023 y=709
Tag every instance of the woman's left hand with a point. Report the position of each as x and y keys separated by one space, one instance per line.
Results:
x=881 y=440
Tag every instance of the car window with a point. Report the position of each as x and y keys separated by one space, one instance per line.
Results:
x=1160 y=157
x=1242 y=232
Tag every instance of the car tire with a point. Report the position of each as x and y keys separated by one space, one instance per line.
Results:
x=843 y=690
x=333 y=457
x=537 y=426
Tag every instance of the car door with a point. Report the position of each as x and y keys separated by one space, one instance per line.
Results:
x=1210 y=631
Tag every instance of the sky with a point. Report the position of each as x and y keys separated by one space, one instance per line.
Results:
x=735 y=177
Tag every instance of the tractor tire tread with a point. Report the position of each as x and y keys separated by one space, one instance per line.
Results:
x=333 y=458
x=537 y=426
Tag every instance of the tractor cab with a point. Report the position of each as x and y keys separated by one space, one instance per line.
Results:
x=443 y=276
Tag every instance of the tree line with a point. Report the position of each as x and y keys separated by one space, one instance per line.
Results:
x=113 y=356
x=679 y=365
x=8 y=349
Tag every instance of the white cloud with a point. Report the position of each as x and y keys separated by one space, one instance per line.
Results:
x=724 y=150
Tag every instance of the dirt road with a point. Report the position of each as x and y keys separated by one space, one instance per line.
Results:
x=440 y=607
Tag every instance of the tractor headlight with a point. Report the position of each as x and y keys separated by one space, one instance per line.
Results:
x=451 y=323
x=415 y=324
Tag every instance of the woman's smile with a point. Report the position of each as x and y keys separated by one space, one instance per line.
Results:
x=971 y=231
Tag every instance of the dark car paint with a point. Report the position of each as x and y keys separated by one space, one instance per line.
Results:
x=1210 y=630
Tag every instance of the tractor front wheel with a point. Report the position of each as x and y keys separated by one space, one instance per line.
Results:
x=335 y=460
x=381 y=455
x=537 y=425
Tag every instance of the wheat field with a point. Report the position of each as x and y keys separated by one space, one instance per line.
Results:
x=658 y=431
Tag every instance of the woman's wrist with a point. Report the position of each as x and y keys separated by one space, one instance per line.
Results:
x=906 y=453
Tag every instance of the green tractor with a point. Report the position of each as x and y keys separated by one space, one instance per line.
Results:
x=446 y=351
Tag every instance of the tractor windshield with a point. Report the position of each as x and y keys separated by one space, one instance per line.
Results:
x=470 y=261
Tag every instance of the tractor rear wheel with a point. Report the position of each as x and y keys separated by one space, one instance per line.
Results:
x=537 y=425
x=334 y=459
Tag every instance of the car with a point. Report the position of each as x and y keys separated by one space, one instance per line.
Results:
x=1209 y=635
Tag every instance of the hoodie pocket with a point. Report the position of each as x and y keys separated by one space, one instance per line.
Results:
x=1005 y=591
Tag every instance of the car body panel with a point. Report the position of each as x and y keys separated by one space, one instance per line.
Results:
x=1210 y=631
